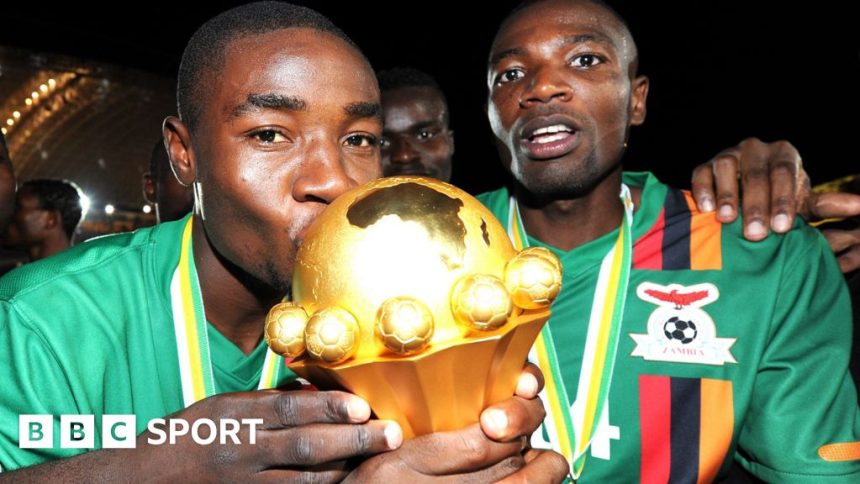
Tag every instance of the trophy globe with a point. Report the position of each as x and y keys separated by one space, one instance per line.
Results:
x=408 y=292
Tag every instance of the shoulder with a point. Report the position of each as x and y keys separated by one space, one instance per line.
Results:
x=101 y=279
x=671 y=233
x=96 y=259
x=111 y=290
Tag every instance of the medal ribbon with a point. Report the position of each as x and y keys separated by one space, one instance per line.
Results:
x=574 y=426
x=192 y=335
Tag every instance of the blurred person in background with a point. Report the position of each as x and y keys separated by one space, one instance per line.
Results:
x=47 y=212
x=9 y=259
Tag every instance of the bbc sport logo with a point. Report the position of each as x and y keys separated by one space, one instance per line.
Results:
x=118 y=431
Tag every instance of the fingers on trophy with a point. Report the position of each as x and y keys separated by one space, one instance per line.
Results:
x=408 y=292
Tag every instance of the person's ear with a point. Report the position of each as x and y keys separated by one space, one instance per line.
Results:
x=177 y=142
x=638 y=99
x=52 y=219
x=149 y=188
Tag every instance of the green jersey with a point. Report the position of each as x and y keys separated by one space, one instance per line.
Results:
x=90 y=332
x=729 y=349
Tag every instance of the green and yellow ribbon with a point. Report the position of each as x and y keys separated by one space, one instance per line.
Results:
x=192 y=335
x=572 y=427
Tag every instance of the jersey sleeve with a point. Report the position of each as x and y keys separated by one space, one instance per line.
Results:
x=803 y=424
x=33 y=383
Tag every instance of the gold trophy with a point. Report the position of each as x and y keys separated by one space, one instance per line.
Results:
x=408 y=292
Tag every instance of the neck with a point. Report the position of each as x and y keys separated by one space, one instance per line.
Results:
x=48 y=247
x=235 y=304
x=570 y=223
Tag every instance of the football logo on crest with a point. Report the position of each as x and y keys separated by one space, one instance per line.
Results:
x=679 y=330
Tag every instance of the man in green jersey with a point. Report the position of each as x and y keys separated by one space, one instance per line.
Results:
x=726 y=349
x=279 y=114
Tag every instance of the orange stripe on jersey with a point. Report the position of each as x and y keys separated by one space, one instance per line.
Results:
x=705 y=239
x=717 y=425
x=841 y=452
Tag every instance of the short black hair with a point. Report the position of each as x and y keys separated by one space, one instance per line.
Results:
x=204 y=54
x=399 y=77
x=403 y=77
x=600 y=3
x=3 y=141
x=61 y=195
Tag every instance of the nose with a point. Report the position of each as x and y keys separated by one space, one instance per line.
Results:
x=322 y=174
x=546 y=85
x=402 y=151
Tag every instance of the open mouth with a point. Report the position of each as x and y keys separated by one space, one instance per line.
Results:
x=546 y=139
x=550 y=133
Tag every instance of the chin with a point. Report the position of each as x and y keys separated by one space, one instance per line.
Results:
x=564 y=179
x=559 y=191
x=275 y=280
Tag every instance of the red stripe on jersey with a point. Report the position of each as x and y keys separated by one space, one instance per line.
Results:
x=648 y=250
x=655 y=414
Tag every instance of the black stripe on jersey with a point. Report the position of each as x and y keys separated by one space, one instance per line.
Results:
x=685 y=428
x=676 y=234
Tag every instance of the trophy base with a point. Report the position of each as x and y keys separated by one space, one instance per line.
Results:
x=444 y=388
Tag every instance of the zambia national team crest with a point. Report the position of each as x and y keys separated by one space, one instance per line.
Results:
x=679 y=329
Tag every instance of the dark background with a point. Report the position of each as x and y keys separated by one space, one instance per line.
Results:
x=720 y=70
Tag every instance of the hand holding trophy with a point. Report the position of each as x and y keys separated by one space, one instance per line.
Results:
x=408 y=293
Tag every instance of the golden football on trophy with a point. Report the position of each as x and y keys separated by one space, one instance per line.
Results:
x=408 y=292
